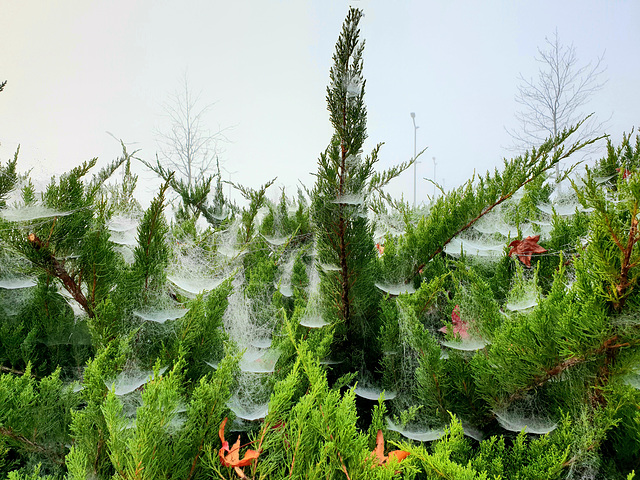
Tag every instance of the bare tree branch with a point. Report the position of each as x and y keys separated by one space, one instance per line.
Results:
x=555 y=99
x=188 y=147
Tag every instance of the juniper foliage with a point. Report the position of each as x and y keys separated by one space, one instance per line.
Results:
x=339 y=210
x=523 y=372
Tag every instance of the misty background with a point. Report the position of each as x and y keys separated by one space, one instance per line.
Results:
x=77 y=70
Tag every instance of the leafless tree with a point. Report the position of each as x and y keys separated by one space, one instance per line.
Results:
x=555 y=99
x=188 y=146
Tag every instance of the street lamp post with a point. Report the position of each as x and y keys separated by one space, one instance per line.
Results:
x=229 y=173
x=434 y=177
x=415 y=130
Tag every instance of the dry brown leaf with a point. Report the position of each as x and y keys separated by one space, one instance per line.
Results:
x=378 y=452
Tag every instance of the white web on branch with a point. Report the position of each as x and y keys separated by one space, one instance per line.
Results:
x=467 y=345
x=17 y=283
x=419 y=435
x=526 y=415
x=161 y=316
x=130 y=380
x=524 y=294
x=371 y=392
x=312 y=317
x=32 y=212
x=397 y=289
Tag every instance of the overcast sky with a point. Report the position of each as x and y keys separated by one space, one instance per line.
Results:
x=77 y=69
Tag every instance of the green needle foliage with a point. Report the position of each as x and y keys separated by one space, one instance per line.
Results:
x=152 y=253
x=343 y=232
x=8 y=177
x=457 y=211
x=195 y=195
x=256 y=200
x=492 y=368
x=35 y=416
x=52 y=245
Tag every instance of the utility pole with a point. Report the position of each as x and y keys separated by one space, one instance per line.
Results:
x=415 y=130
x=229 y=173
x=434 y=177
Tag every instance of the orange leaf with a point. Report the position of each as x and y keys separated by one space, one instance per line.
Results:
x=221 y=432
x=230 y=457
x=378 y=452
x=225 y=444
x=399 y=455
x=525 y=248
x=249 y=456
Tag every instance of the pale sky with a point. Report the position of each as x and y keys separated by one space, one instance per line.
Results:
x=77 y=69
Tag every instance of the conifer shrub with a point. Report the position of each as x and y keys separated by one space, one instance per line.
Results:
x=491 y=334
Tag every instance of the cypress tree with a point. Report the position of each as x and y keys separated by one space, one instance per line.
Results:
x=344 y=234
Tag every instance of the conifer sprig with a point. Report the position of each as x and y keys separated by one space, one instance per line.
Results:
x=615 y=225
x=340 y=200
x=461 y=208
x=152 y=253
x=105 y=173
x=256 y=200
x=196 y=196
x=8 y=177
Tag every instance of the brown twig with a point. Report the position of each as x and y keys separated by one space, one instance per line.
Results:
x=32 y=445
x=55 y=268
x=16 y=372
x=624 y=285
x=609 y=347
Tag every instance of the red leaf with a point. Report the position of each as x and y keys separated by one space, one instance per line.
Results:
x=626 y=174
x=525 y=248
x=459 y=326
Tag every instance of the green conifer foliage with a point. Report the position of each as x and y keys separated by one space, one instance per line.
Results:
x=195 y=196
x=256 y=200
x=121 y=197
x=145 y=450
x=52 y=245
x=35 y=417
x=97 y=260
x=525 y=372
x=90 y=455
x=152 y=253
x=614 y=230
x=8 y=177
x=343 y=233
x=313 y=435
x=457 y=211
x=45 y=333
x=201 y=334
